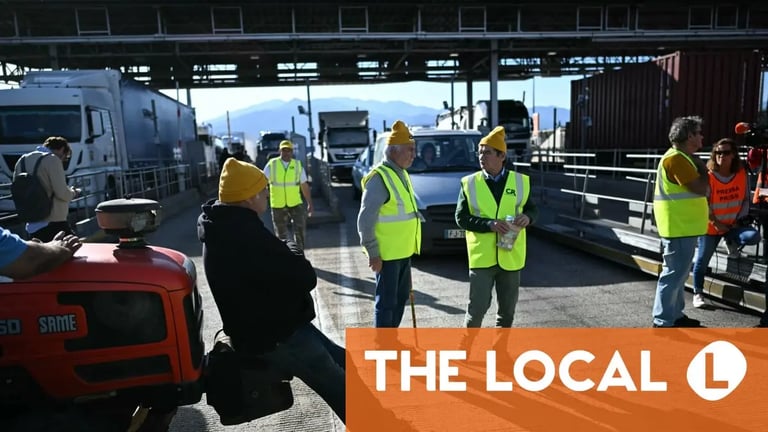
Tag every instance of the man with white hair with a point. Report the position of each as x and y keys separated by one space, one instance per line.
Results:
x=389 y=226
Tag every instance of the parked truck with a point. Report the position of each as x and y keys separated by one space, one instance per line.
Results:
x=513 y=116
x=343 y=135
x=239 y=146
x=112 y=123
x=269 y=142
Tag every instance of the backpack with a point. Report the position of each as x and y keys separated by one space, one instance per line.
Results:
x=32 y=202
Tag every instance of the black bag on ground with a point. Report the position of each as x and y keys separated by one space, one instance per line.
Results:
x=242 y=388
x=32 y=202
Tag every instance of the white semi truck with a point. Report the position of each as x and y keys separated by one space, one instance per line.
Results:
x=342 y=137
x=112 y=123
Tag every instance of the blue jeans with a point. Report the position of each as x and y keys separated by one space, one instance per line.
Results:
x=669 y=302
x=481 y=283
x=393 y=287
x=309 y=355
x=742 y=236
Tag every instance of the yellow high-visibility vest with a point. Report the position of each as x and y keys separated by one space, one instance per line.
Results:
x=284 y=183
x=481 y=247
x=678 y=211
x=398 y=228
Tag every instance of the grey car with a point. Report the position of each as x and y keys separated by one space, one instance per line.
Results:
x=360 y=169
x=443 y=157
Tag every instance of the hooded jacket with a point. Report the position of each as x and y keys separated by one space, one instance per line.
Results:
x=260 y=283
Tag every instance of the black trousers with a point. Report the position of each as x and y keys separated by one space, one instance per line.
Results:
x=46 y=234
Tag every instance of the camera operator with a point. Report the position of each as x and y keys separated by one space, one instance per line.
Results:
x=756 y=137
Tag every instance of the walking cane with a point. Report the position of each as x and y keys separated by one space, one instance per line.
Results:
x=413 y=310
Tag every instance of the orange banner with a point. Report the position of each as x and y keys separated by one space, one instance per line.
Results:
x=549 y=380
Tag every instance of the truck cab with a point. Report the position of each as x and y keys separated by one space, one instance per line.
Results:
x=342 y=137
x=514 y=117
x=112 y=124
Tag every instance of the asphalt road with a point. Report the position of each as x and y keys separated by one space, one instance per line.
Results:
x=561 y=287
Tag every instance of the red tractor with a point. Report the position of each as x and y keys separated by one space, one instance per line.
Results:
x=116 y=328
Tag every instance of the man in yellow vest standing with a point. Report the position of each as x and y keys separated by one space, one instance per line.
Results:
x=287 y=183
x=389 y=226
x=682 y=213
x=494 y=208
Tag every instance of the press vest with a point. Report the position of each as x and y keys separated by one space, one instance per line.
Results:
x=726 y=199
x=678 y=211
x=398 y=228
x=284 y=183
x=481 y=247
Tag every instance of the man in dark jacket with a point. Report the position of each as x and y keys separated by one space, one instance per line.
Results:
x=262 y=286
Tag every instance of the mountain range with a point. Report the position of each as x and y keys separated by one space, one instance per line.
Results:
x=278 y=115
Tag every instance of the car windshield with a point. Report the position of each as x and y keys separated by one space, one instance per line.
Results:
x=438 y=153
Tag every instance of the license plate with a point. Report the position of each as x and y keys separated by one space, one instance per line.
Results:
x=454 y=234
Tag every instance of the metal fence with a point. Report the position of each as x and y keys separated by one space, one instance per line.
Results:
x=156 y=183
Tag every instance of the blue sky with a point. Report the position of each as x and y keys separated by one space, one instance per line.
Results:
x=211 y=103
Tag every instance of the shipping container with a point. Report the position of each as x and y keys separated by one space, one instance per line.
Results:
x=632 y=108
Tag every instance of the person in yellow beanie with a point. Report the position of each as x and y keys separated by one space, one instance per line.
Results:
x=389 y=226
x=288 y=183
x=501 y=204
x=262 y=286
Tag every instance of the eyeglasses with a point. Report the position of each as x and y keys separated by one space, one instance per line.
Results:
x=723 y=152
x=485 y=153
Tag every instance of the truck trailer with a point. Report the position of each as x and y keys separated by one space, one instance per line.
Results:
x=342 y=137
x=111 y=122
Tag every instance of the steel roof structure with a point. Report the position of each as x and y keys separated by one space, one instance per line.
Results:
x=197 y=44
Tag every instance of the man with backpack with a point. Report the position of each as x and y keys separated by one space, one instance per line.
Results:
x=40 y=191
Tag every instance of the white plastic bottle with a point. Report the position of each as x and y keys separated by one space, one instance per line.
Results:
x=507 y=241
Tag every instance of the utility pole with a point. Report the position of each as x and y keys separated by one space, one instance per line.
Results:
x=311 y=130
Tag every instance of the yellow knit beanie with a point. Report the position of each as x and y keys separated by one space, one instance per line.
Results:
x=240 y=181
x=400 y=134
x=286 y=144
x=496 y=139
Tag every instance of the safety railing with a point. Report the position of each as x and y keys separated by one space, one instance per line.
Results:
x=645 y=204
x=573 y=173
x=155 y=183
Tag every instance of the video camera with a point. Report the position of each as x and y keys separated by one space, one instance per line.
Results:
x=756 y=139
x=754 y=134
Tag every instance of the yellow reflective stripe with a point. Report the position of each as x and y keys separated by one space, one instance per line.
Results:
x=273 y=171
x=398 y=218
x=474 y=204
x=519 y=193
x=675 y=196
x=401 y=213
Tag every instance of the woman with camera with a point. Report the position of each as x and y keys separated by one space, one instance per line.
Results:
x=728 y=212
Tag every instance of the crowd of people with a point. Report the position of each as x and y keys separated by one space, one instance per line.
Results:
x=696 y=205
